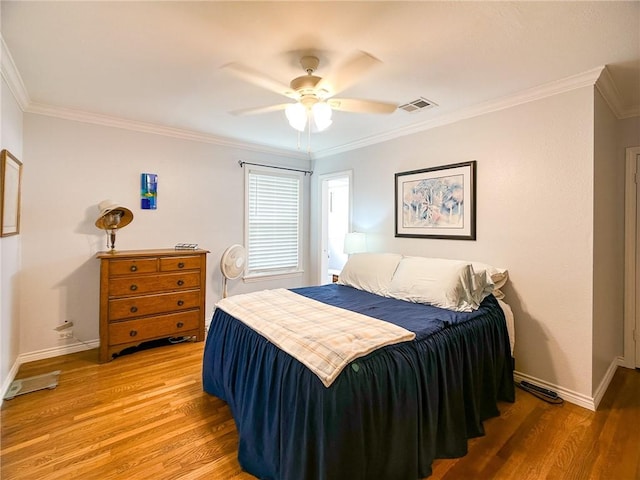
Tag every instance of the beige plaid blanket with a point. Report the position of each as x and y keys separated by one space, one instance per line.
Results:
x=322 y=337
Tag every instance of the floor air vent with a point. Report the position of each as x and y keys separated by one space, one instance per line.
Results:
x=417 y=105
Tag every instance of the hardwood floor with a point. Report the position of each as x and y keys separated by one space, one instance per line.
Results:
x=145 y=416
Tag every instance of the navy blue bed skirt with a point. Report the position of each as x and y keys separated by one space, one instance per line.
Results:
x=387 y=416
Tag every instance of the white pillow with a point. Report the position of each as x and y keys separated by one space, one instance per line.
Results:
x=371 y=272
x=499 y=276
x=444 y=283
x=482 y=285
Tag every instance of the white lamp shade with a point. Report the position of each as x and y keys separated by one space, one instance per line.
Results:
x=355 y=242
x=321 y=115
x=297 y=116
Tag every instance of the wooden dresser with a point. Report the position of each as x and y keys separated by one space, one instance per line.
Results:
x=148 y=295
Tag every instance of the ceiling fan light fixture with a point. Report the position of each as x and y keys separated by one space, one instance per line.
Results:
x=314 y=95
x=297 y=116
x=321 y=115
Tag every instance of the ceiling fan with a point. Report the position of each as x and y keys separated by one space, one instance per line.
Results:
x=314 y=95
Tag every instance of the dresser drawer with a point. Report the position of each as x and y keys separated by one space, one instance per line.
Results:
x=133 y=266
x=171 y=264
x=119 y=287
x=131 y=307
x=153 y=327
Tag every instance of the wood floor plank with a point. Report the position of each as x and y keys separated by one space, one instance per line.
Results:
x=145 y=416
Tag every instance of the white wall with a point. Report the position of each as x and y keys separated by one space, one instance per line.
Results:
x=11 y=136
x=534 y=217
x=72 y=167
x=608 y=241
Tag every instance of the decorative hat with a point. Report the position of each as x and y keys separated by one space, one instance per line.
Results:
x=107 y=206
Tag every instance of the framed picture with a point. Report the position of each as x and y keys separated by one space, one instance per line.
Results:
x=438 y=202
x=10 y=177
x=148 y=191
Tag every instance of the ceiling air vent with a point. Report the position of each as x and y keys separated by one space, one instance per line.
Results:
x=417 y=105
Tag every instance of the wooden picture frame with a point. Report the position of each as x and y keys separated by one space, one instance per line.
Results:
x=10 y=182
x=438 y=202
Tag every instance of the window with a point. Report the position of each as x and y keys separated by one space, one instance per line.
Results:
x=273 y=201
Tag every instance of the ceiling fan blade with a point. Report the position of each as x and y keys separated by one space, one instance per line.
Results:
x=259 y=79
x=348 y=73
x=361 y=106
x=258 y=110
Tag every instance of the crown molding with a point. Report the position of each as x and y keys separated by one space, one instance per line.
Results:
x=611 y=95
x=600 y=77
x=549 y=89
x=12 y=76
x=116 y=122
x=536 y=93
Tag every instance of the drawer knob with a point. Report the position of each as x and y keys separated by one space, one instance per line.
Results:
x=179 y=324
x=133 y=333
x=181 y=265
x=133 y=287
x=134 y=268
x=180 y=303
x=133 y=309
x=180 y=283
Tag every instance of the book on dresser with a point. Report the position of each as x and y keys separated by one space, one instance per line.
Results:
x=150 y=295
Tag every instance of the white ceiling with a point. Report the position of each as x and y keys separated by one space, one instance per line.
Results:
x=157 y=64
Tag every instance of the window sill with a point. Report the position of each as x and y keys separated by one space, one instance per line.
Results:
x=271 y=276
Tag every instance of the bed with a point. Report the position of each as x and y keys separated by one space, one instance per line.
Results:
x=389 y=411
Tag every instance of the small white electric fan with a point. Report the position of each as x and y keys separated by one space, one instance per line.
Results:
x=232 y=265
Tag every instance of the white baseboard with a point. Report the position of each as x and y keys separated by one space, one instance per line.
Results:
x=585 y=401
x=590 y=403
x=43 y=354
x=566 y=394
x=57 y=351
x=604 y=384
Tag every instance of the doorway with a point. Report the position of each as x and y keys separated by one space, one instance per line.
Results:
x=632 y=260
x=336 y=222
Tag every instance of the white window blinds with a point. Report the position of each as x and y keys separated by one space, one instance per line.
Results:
x=273 y=222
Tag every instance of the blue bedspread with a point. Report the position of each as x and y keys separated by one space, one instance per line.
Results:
x=387 y=416
x=423 y=320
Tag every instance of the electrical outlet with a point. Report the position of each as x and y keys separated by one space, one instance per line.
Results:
x=65 y=334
